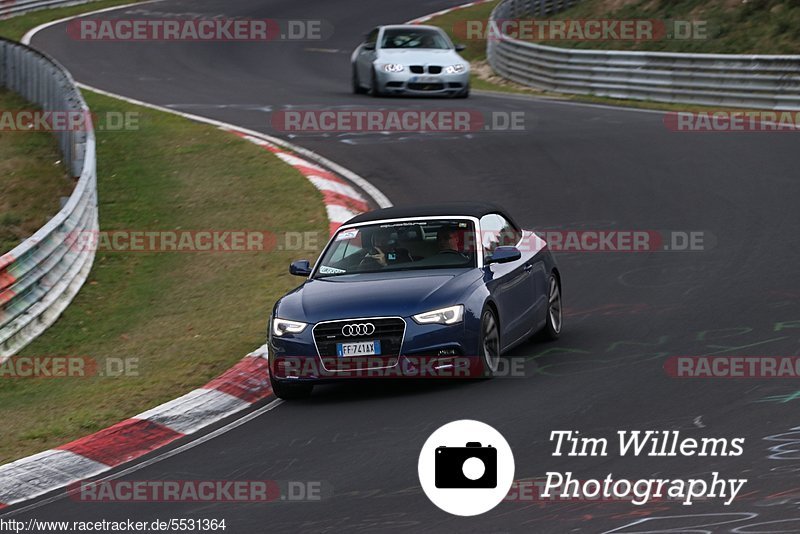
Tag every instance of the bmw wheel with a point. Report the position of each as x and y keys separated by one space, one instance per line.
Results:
x=554 y=312
x=357 y=89
x=489 y=343
x=374 y=90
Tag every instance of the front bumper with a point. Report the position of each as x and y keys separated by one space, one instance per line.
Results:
x=422 y=84
x=426 y=351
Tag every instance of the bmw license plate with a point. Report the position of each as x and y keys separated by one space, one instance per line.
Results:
x=360 y=348
x=423 y=79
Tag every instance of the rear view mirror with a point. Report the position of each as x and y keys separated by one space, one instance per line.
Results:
x=369 y=46
x=461 y=47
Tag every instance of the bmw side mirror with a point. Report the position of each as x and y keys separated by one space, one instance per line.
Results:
x=504 y=255
x=461 y=47
x=300 y=268
x=369 y=46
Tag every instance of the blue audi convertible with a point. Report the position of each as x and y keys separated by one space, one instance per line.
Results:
x=421 y=291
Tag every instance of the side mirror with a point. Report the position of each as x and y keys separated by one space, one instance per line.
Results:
x=461 y=47
x=504 y=255
x=300 y=268
x=369 y=46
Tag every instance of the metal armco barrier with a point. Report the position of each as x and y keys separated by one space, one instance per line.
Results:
x=41 y=276
x=758 y=81
x=10 y=8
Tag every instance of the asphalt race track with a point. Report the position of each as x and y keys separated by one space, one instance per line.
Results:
x=573 y=167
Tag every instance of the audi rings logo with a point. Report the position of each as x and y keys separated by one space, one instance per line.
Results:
x=363 y=329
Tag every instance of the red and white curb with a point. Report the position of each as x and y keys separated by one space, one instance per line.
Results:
x=245 y=383
x=342 y=201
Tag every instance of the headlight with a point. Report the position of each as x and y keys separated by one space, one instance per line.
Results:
x=393 y=67
x=450 y=315
x=284 y=326
x=455 y=69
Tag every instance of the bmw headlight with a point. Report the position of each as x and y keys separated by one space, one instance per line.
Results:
x=451 y=315
x=284 y=326
x=455 y=69
x=393 y=67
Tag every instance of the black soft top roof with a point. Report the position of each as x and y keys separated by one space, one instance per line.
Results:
x=445 y=209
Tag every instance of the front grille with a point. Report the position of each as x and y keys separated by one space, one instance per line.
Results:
x=417 y=69
x=388 y=330
x=426 y=86
x=434 y=69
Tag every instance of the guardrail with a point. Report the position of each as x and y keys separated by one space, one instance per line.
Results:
x=10 y=8
x=41 y=276
x=759 y=81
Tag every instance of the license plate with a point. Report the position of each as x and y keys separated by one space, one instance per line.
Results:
x=423 y=79
x=360 y=348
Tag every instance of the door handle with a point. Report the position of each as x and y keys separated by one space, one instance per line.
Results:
x=528 y=267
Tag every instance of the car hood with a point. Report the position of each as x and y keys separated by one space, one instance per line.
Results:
x=420 y=57
x=376 y=295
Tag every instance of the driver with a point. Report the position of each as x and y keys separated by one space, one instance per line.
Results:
x=384 y=251
x=427 y=41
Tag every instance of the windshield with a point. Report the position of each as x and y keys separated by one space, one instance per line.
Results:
x=413 y=38
x=401 y=246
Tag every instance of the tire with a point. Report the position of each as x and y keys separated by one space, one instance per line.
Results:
x=554 y=321
x=357 y=89
x=489 y=343
x=291 y=390
x=464 y=93
x=373 y=89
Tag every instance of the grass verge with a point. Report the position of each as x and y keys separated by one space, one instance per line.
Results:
x=32 y=178
x=181 y=318
x=727 y=26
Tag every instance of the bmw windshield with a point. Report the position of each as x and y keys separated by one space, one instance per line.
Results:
x=400 y=246
x=415 y=38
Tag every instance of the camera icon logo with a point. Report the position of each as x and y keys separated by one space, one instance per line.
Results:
x=466 y=467
x=472 y=466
